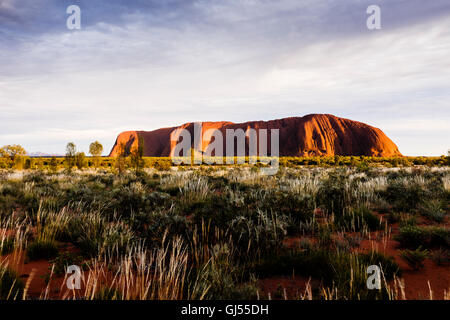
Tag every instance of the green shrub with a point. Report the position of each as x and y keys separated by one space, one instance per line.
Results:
x=223 y=278
x=441 y=256
x=157 y=225
x=345 y=271
x=332 y=194
x=389 y=266
x=433 y=209
x=415 y=236
x=216 y=211
x=350 y=276
x=80 y=160
x=63 y=260
x=258 y=235
x=439 y=236
x=162 y=165
x=299 y=208
x=53 y=165
x=404 y=197
x=357 y=219
x=407 y=220
x=412 y=236
x=42 y=249
x=94 y=235
x=414 y=258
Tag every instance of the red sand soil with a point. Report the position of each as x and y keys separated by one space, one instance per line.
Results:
x=417 y=283
x=285 y=287
x=35 y=273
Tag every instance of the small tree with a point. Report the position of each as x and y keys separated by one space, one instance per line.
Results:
x=19 y=162
x=137 y=154
x=40 y=164
x=96 y=150
x=71 y=151
x=11 y=153
x=162 y=165
x=120 y=158
x=80 y=160
x=53 y=165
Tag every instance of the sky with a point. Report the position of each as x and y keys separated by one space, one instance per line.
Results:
x=143 y=65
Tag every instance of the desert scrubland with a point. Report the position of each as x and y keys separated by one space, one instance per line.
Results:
x=226 y=232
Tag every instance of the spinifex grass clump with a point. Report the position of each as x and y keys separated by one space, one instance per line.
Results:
x=155 y=226
x=13 y=234
x=11 y=287
x=433 y=209
x=142 y=274
x=94 y=235
x=48 y=226
x=412 y=236
x=332 y=194
x=345 y=272
x=221 y=278
x=415 y=258
x=407 y=220
x=63 y=260
x=260 y=235
x=441 y=256
x=406 y=193
x=358 y=219
x=42 y=249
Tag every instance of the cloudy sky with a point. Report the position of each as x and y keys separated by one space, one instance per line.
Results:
x=141 y=65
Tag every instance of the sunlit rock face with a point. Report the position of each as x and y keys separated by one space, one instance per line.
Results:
x=311 y=135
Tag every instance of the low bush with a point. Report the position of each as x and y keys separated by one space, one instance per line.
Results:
x=428 y=237
x=344 y=270
x=414 y=258
x=42 y=249
x=412 y=236
x=156 y=226
x=440 y=256
x=407 y=220
x=357 y=219
x=439 y=237
x=433 y=210
x=404 y=197
x=63 y=260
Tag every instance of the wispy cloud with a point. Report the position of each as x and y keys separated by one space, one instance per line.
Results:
x=147 y=64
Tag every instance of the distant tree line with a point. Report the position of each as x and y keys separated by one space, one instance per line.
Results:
x=15 y=157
